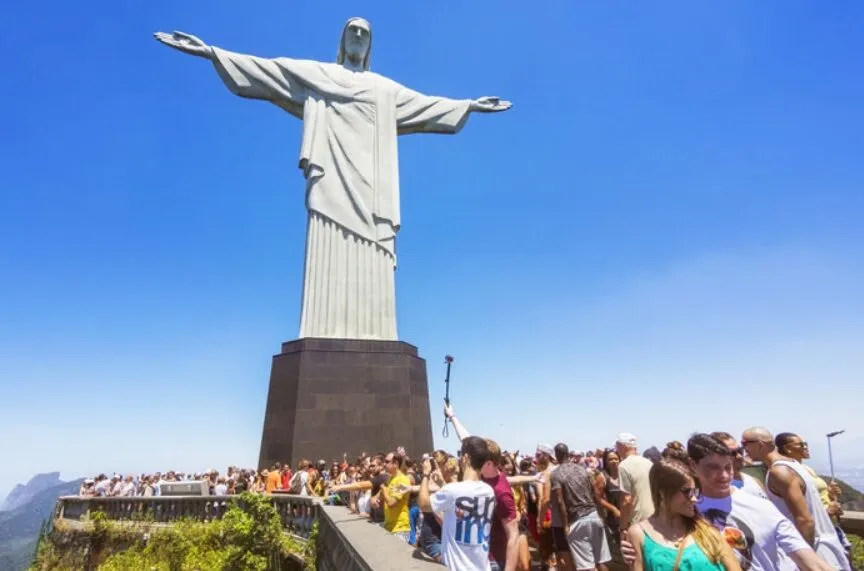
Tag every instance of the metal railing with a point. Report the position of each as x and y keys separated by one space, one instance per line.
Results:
x=298 y=513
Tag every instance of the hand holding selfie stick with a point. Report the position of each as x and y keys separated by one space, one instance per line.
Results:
x=449 y=361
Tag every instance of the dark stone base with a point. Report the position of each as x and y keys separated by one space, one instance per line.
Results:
x=330 y=396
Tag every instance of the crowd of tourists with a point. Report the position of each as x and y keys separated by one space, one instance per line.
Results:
x=716 y=502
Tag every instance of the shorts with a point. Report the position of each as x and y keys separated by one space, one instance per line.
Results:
x=430 y=545
x=559 y=540
x=587 y=540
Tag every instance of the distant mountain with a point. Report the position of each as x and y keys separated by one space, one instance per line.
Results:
x=22 y=494
x=851 y=499
x=19 y=527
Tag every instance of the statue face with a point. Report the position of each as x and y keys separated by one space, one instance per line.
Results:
x=357 y=40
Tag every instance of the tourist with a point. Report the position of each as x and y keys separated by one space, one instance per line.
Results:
x=761 y=537
x=543 y=522
x=609 y=495
x=504 y=541
x=582 y=532
x=742 y=481
x=794 y=447
x=674 y=536
x=636 y=502
x=465 y=537
x=792 y=490
x=394 y=497
x=675 y=451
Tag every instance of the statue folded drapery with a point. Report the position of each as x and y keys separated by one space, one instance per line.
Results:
x=349 y=158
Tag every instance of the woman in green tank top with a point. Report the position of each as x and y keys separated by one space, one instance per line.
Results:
x=675 y=538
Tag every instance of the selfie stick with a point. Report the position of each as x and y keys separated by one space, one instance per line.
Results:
x=449 y=361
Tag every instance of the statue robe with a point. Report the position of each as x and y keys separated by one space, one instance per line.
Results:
x=349 y=158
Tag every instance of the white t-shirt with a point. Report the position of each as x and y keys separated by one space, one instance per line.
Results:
x=750 y=485
x=757 y=532
x=466 y=510
x=304 y=479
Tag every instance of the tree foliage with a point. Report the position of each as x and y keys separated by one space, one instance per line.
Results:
x=857 y=551
x=249 y=537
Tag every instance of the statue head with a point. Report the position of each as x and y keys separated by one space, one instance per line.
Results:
x=356 y=43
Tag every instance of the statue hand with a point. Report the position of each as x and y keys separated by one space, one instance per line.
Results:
x=186 y=43
x=490 y=105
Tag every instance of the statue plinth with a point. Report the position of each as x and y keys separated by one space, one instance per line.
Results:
x=331 y=396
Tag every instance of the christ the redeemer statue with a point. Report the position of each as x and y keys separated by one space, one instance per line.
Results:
x=351 y=118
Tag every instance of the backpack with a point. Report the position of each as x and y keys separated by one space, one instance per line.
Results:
x=296 y=483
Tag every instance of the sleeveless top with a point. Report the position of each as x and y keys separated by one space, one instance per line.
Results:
x=656 y=557
x=613 y=496
x=827 y=546
x=821 y=486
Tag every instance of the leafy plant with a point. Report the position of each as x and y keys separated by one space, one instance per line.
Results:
x=248 y=538
x=857 y=551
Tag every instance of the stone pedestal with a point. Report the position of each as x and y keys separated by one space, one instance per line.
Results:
x=329 y=396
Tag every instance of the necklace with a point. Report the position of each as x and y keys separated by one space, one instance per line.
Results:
x=662 y=531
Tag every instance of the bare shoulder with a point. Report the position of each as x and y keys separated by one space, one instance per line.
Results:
x=784 y=474
x=636 y=532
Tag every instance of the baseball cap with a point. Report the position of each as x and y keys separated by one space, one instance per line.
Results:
x=576 y=453
x=545 y=449
x=626 y=439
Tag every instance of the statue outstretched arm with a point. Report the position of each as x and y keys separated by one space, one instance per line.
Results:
x=186 y=43
x=490 y=105
x=275 y=80
x=419 y=113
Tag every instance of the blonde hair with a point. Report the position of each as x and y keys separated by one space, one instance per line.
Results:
x=667 y=477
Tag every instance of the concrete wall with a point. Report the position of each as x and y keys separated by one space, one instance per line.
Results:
x=347 y=542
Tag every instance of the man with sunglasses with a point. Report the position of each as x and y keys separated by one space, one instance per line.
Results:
x=394 y=498
x=792 y=490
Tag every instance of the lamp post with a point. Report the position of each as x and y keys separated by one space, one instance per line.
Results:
x=831 y=435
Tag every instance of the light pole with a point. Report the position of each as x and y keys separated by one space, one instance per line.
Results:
x=831 y=435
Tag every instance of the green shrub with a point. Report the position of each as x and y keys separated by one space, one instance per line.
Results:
x=247 y=538
x=857 y=551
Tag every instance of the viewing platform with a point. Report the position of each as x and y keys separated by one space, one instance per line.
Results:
x=344 y=541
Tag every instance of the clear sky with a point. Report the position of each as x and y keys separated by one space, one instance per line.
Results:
x=664 y=234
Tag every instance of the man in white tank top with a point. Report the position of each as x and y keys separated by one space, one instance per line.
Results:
x=791 y=488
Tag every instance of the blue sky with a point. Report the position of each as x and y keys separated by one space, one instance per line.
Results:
x=664 y=234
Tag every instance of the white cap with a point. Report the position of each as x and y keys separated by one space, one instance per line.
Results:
x=545 y=449
x=576 y=453
x=626 y=439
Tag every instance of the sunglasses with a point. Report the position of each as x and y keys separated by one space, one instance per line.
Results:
x=692 y=493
